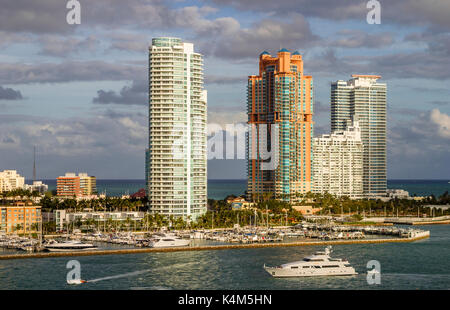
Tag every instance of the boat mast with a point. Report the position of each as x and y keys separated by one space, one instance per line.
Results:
x=40 y=231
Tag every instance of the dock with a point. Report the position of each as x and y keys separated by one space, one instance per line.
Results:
x=419 y=236
x=441 y=220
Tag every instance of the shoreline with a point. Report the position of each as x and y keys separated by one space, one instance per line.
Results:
x=429 y=223
x=207 y=248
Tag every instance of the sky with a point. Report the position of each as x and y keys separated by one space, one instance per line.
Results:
x=79 y=92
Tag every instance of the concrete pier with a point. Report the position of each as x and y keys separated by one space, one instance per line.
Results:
x=424 y=235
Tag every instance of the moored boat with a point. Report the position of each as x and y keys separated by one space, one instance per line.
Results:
x=68 y=246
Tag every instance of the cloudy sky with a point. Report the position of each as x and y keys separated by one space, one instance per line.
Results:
x=79 y=92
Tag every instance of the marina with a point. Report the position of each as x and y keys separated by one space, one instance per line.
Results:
x=239 y=268
x=303 y=234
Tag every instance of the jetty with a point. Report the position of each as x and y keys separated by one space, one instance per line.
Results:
x=418 y=235
x=419 y=221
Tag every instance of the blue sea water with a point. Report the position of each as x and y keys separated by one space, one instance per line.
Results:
x=219 y=189
x=422 y=264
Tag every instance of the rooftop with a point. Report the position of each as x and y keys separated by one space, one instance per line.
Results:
x=283 y=50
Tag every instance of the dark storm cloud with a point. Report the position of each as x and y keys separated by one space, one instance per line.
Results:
x=409 y=12
x=223 y=80
x=17 y=73
x=78 y=135
x=320 y=108
x=224 y=37
x=437 y=43
x=94 y=143
x=357 y=39
x=63 y=46
x=10 y=94
x=43 y=16
x=328 y=63
x=136 y=94
x=321 y=130
x=49 y=16
x=233 y=42
x=423 y=65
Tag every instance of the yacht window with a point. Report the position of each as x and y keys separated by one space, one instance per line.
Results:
x=168 y=240
x=306 y=266
x=294 y=267
x=316 y=260
x=330 y=266
x=306 y=259
x=317 y=267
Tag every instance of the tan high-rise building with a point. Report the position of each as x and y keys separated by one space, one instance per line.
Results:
x=88 y=184
x=281 y=95
x=72 y=185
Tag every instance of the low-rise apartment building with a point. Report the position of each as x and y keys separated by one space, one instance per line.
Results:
x=20 y=219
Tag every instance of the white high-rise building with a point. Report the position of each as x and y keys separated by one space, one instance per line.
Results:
x=363 y=98
x=176 y=160
x=338 y=163
x=10 y=180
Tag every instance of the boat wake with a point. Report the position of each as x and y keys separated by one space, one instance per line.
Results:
x=153 y=288
x=124 y=275
x=135 y=273
x=417 y=275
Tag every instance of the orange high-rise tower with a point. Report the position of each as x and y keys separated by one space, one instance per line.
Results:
x=280 y=95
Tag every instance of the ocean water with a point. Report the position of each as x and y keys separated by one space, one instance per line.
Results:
x=219 y=189
x=423 y=264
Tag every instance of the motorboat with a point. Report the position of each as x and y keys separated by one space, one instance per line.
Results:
x=68 y=246
x=76 y=281
x=319 y=264
x=167 y=240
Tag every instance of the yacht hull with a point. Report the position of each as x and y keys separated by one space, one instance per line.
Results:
x=285 y=273
x=70 y=249
x=178 y=243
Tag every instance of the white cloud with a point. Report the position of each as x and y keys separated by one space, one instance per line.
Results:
x=442 y=120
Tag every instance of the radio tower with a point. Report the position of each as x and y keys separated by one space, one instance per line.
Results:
x=34 y=164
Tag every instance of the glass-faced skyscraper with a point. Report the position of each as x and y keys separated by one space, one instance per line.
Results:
x=176 y=159
x=363 y=99
x=280 y=95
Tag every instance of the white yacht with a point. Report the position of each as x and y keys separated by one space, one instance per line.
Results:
x=168 y=240
x=68 y=246
x=319 y=264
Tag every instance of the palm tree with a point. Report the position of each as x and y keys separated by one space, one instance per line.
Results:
x=17 y=227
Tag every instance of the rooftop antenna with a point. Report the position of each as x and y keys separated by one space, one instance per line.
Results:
x=34 y=164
